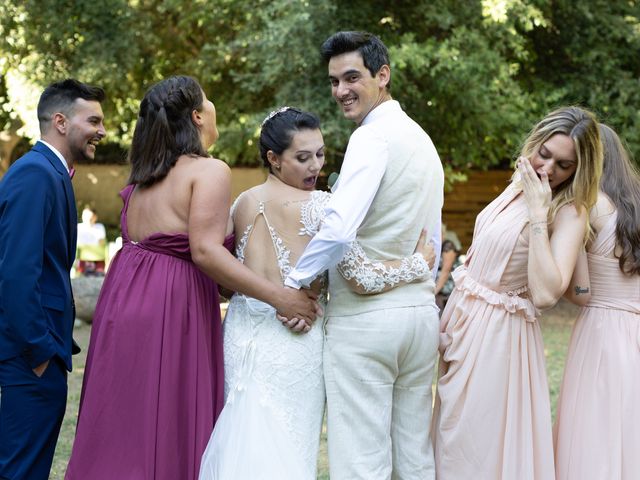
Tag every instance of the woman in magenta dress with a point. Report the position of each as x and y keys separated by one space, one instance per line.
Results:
x=153 y=384
x=597 y=433
x=493 y=420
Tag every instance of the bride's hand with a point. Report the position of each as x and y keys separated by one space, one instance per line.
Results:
x=537 y=191
x=425 y=249
x=295 y=324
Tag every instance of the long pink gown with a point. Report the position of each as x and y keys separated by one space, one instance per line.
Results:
x=597 y=433
x=153 y=384
x=492 y=418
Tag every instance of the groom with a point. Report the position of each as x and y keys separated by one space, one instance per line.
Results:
x=38 y=221
x=380 y=350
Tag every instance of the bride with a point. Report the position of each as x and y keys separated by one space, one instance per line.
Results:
x=270 y=425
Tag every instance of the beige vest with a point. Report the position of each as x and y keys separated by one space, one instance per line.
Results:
x=409 y=198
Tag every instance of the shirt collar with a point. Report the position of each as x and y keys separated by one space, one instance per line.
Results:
x=58 y=154
x=381 y=110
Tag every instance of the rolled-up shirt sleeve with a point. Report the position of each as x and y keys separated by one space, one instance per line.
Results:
x=364 y=165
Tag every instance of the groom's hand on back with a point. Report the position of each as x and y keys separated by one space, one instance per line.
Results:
x=299 y=319
x=299 y=304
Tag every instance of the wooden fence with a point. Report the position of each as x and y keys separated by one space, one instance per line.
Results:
x=467 y=199
x=98 y=186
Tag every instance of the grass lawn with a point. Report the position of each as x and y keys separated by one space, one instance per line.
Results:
x=556 y=328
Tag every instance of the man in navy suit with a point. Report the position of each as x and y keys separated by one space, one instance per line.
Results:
x=38 y=222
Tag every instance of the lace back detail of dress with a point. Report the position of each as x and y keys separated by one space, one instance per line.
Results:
x=312 y=213
x=311 y=216
x=268 y=367
x=282 y=252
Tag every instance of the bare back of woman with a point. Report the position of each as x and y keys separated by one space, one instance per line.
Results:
x=165 y=206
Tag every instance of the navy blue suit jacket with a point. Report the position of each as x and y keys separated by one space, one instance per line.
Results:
x=38 y=233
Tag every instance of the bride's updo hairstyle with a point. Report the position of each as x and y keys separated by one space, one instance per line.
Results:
x=279 y=127
x=165 y=130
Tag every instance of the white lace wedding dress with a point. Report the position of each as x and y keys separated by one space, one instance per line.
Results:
x=270 y=426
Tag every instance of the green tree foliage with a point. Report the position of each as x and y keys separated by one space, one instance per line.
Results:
x=590 y=55
x=476 y=74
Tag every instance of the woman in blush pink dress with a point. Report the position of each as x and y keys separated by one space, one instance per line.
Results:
x=153 y=384
x=597 y=433
x=493 y=419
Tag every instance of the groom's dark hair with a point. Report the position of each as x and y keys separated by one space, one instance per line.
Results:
x=60 y=97
x=374 y=53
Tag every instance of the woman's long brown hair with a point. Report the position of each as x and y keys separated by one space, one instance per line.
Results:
x=621 y=182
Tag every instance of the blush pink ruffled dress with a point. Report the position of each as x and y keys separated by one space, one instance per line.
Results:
x=493 y=418
x=597 y=434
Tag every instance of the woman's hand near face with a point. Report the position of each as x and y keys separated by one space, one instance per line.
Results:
x=552 y=257
x=537 y=191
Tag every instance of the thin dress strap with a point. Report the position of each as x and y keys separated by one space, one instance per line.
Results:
x=279 y=247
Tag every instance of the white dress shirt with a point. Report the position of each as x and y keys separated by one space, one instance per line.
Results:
x=364 y=166
x=58 y=154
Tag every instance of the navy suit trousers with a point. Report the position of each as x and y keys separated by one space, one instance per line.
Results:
x=31 y=413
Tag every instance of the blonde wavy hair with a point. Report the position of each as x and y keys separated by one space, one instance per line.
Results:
x=581 y=189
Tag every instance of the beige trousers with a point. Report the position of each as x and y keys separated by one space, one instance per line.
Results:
x=378 y=369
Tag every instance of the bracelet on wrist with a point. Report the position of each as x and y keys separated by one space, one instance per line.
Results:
x=531 y=224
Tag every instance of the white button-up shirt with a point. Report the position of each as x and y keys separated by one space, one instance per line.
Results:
x=362 y=170
x=58 y=154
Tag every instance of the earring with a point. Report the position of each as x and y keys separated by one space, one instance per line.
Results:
x=277 y=166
